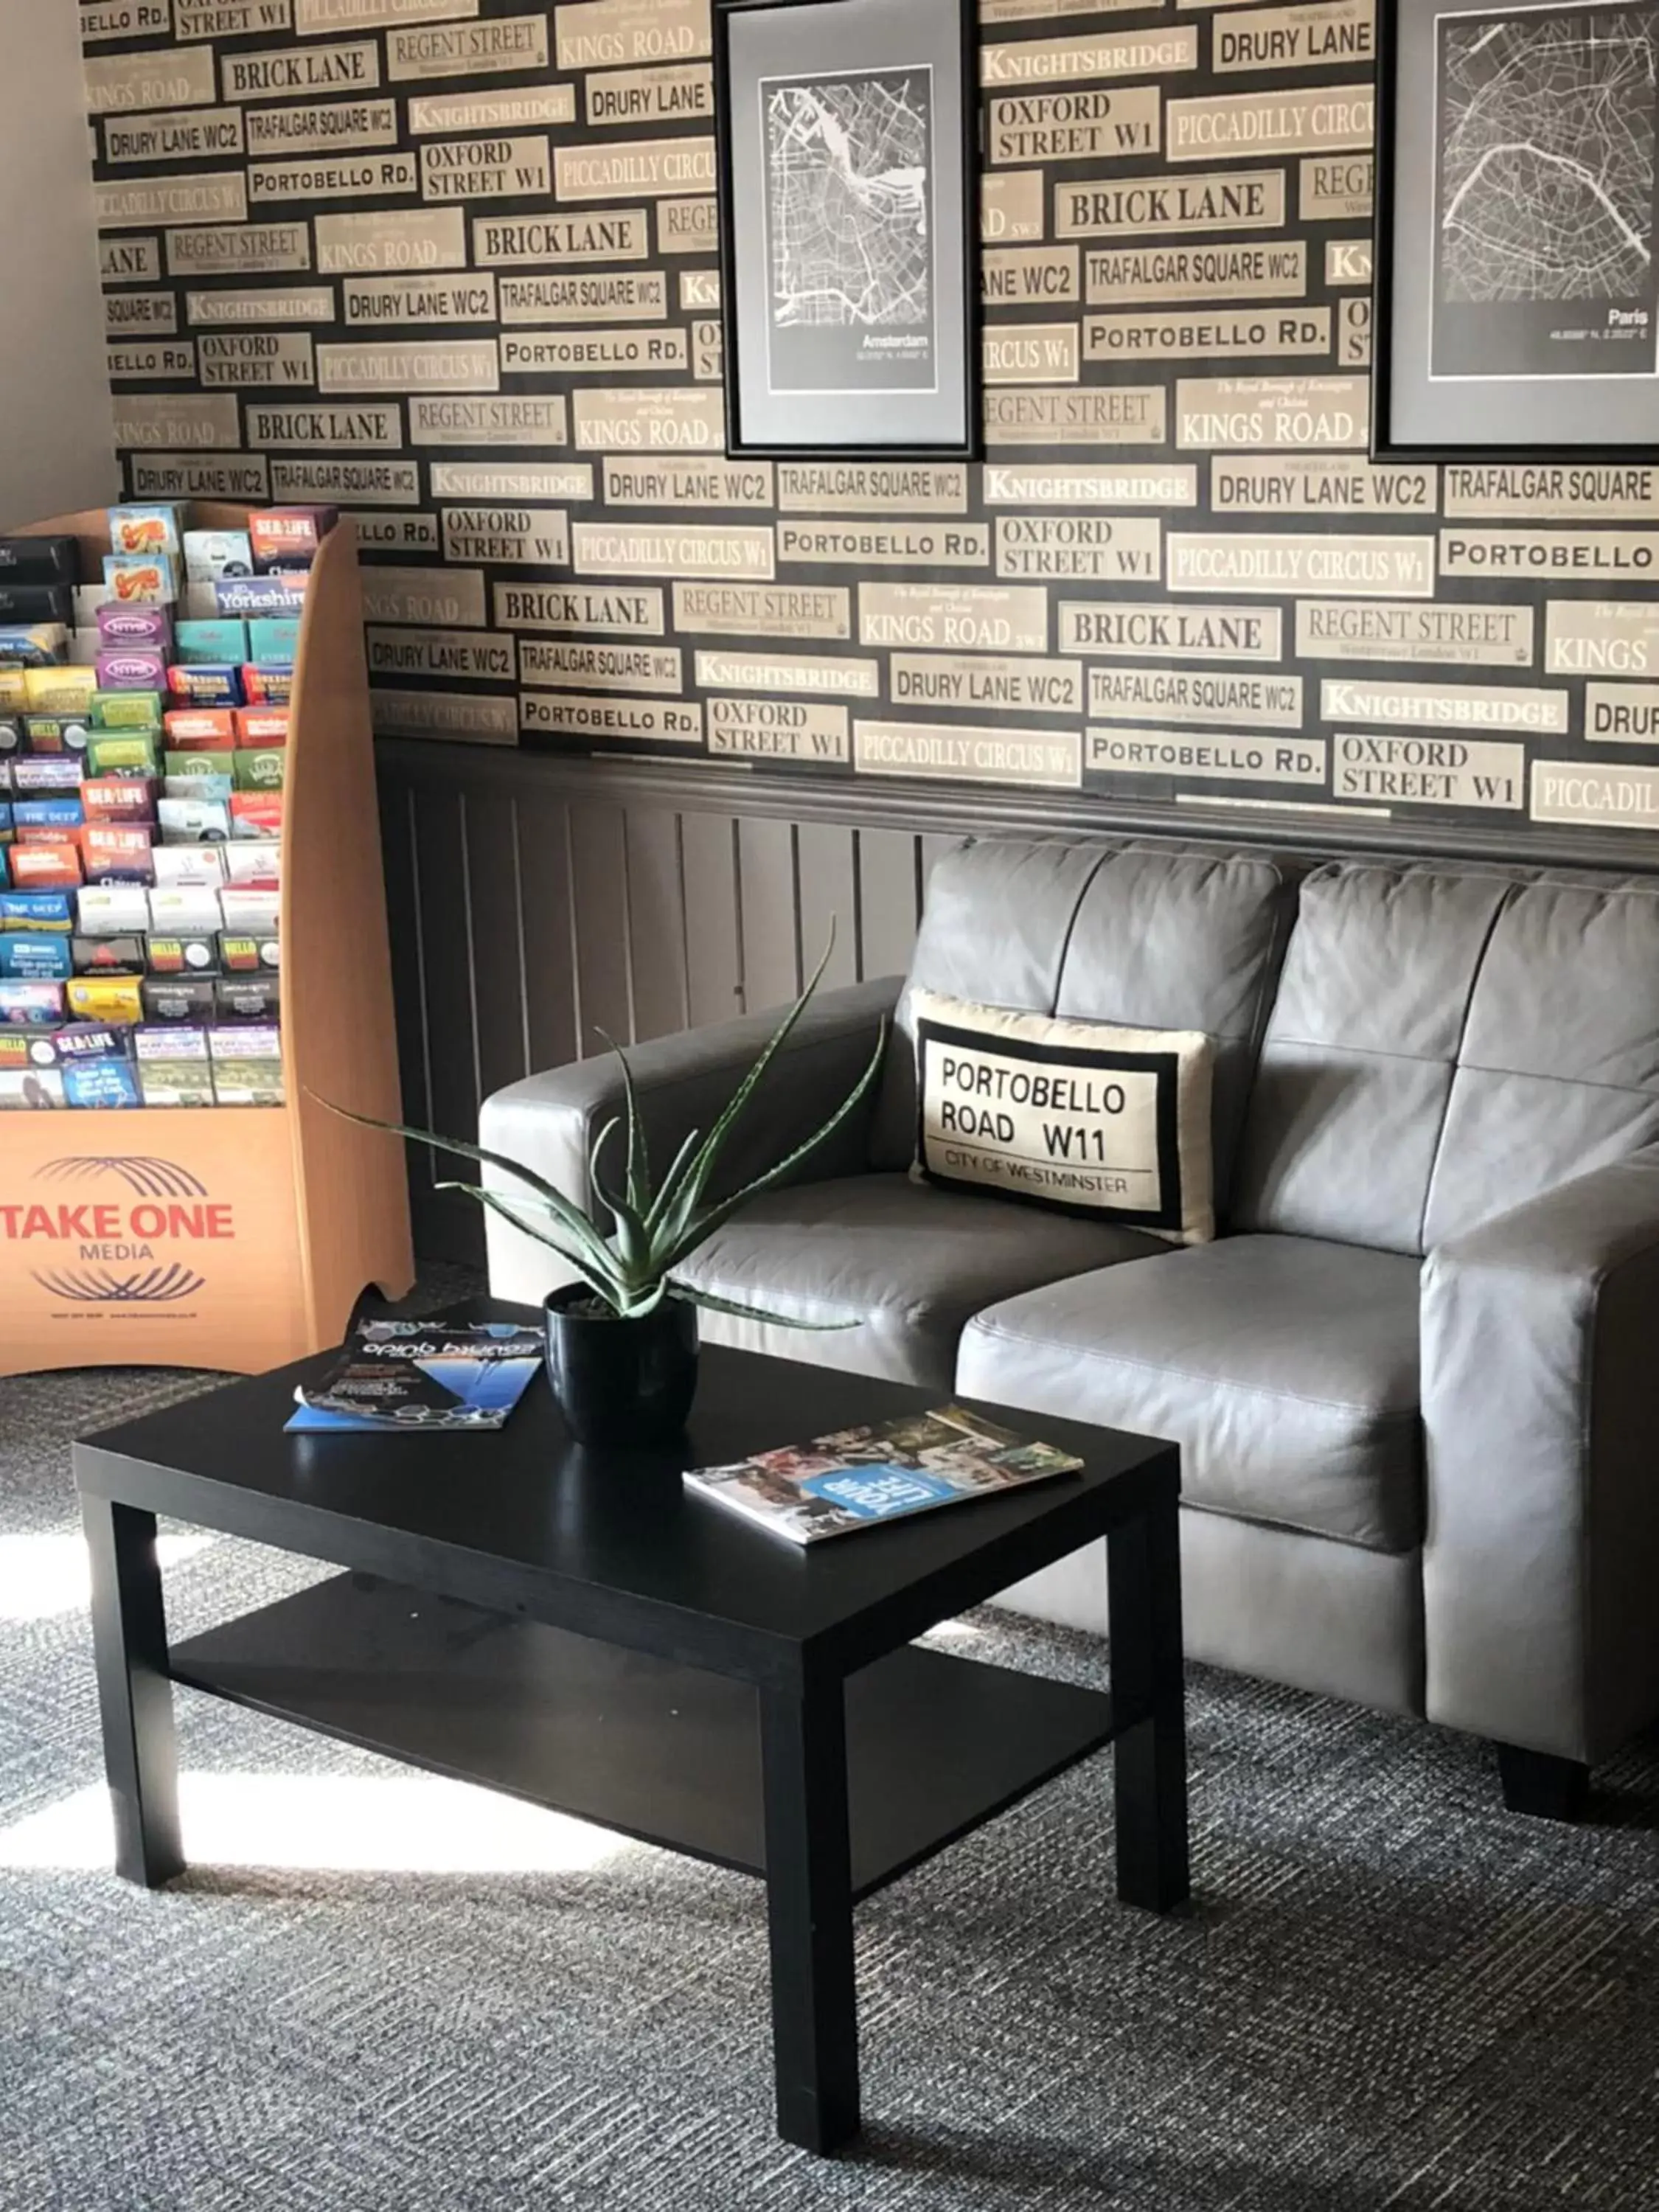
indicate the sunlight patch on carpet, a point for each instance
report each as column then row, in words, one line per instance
column 44, row 1574
column 338, row 1823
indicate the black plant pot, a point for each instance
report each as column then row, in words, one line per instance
column 617, row 1382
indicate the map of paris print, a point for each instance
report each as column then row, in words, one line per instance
column 1544, row 231
column 1515, row 305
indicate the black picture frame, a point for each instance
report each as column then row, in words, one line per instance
column 955, row 26
column 1401, row 25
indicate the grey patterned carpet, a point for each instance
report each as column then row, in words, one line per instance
column 379, row 1993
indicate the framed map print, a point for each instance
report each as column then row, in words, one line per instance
column 1518, row 299
column 848, row 135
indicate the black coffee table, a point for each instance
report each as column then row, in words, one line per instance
column 576, row 1629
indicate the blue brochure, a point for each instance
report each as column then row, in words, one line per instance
column 860, row 1478
column 421, row 1378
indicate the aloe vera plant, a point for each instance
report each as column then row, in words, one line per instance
column 655, row 1226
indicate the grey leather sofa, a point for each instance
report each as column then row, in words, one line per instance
column 1414, row 1379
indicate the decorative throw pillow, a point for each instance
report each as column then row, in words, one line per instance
column 1082, row 1118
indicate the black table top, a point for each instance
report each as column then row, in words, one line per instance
column 611, row 1543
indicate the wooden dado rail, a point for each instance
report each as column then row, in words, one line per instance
column 536, row 899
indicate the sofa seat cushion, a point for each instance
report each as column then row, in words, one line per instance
column 1286, row 1369
column 910, row 1264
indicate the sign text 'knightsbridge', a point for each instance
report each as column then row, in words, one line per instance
column 453, row 266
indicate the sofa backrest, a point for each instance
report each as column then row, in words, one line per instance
column 1446, row 1042
column 1356, row 1066
column 1151, row 935
column 1558, row 1068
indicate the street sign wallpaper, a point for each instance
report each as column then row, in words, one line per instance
column 452, row 265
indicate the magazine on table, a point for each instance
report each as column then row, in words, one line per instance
column 420, row 1378
column 857, row 1478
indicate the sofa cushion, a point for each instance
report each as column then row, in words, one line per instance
column 1077, row 1117
column 1285, row 1367
column 1163, row 937
column 1558, row 1069
column 913, row 1264
column 1356, row 1068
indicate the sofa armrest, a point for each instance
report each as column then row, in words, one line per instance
column 1540, row 1408
column 549, row 1121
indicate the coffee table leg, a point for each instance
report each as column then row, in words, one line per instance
column 135, row 1691
column 809, row 1912
column 1142, row 1574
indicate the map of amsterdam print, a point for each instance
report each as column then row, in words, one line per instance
column 849, row 232
column 1545, row 231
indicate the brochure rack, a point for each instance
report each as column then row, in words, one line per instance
column 234, row 1237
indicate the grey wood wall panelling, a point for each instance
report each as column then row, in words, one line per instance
column 656, row 920
column 525, row 920
column 409, row 995
column 549, row 967
column 770, row 913
column 826, row 891
column 499, row 999
column 494, row 944
column 949, row 812
column 451, row 958
column 889, row 891
column 713, row 920
column 599, row 913
column 447, row 952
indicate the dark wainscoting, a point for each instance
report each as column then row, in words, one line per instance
column 538, row 905
column 537, row 900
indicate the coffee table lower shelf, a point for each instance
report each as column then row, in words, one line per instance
column 935, row 1744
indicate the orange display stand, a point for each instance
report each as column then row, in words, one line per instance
column 229, row 1236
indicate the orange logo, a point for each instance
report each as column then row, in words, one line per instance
column 155, row 1201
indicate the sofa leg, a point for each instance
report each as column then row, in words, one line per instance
column 1538, row 1781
